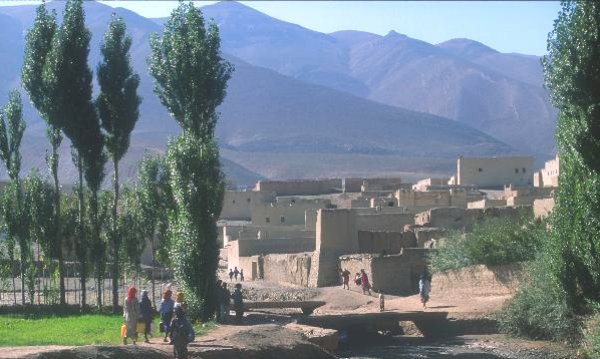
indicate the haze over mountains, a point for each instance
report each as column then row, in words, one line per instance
column 303, row 103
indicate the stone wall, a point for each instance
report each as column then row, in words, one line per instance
column 240, row 252
column 495, row 171
column 300, row 187
column 285, row 213
column 487, row 203
column 288, row 268
column 390, row 242
column 424, row 184
column 381, row 221
column 548, row 176
column 426, row 235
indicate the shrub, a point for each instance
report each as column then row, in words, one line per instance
column 540, row 310
column 495, row 241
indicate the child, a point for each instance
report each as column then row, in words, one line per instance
column 364, row 282
column 381, row 302
column 147, row 314
column 225, row 302
column 166, row 312
column 424, row 288
column 182, row 334
column 346, row 279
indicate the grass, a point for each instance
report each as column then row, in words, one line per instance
column 75, row 330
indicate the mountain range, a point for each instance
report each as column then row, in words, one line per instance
column 307, row 104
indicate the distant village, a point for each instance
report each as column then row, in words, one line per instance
column 303, row 232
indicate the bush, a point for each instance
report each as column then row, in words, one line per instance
column 540, row 310
column 495, row 241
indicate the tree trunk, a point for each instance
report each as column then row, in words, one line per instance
column 55, row 141
column 152, row 272
column 115, row 241
column 96, row 239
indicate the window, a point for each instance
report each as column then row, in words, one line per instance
column 248, row 200
column 390, row 204
column 523, row 169
column 282, row 219
column 233, row 201
column 516, row 170
column 268, row 220
column 479, row 169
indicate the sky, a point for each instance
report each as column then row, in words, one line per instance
column 507, row 26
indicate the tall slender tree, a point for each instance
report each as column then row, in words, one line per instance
column 16, row 216
column 190, row 81
column 572, row 73
column 69, row 77
column 38, row 43
column 118, row 105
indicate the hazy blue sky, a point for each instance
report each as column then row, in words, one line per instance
column 508, row 26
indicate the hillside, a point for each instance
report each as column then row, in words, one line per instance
column 265, row 114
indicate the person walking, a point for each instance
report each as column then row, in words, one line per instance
column 242, row 275
column 225, row 303
column 166, row 312
column 346, row 279
column 424, row 288
column 236, row 272
column 147, row 314
column 238, row 303
column 364, row 282
column 182, row 333
column 131, row 314
column 230, row 275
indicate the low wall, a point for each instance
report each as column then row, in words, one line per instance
column 249, row 248
column 464, row 219
column 425, row 235
column 393, row 274
column 390, row 242
column 477, row 280
column 543, row 207
column 288, row 268
column 393, row 222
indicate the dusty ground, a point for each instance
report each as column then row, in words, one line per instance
column 344, row 301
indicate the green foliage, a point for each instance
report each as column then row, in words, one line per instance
column 572, row 72
column 155, row 200
column 190, row 74
column 38, row 43
column 592, row 338
column 118, row 101
column 190, row 80
column 11, row 134
column 495, row 241
column 540, row 310
column 198, row 190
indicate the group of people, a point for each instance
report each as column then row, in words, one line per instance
column 235, row 273
column 173, row 320
column 224, row 297
column 361, row 279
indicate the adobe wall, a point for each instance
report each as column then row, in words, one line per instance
column 425, row 235
column 353, row 185
column 543, row 207
column 495, row 171
column 416, row 201
column 336, row 235
column 477, row 280
column 285, row 213
column 487, row 203
column 393, row 274
column 424, row 184
column 381, row 202
column 390, row 242
column 549, row 175
column 239, row 251
column 288, row 268
column 237, row 205
column 381, row 184
column 310, row 219
column 464, row 219
column 300, row 187
column 360, row 203
column 392, row 222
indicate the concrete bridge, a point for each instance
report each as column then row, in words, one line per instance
column 429, row 323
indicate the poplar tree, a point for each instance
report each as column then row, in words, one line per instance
column 118, row 105
column 572, row 72
column 69, row 77
column 12, row 127
column 38, row 43
column 190, row 81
